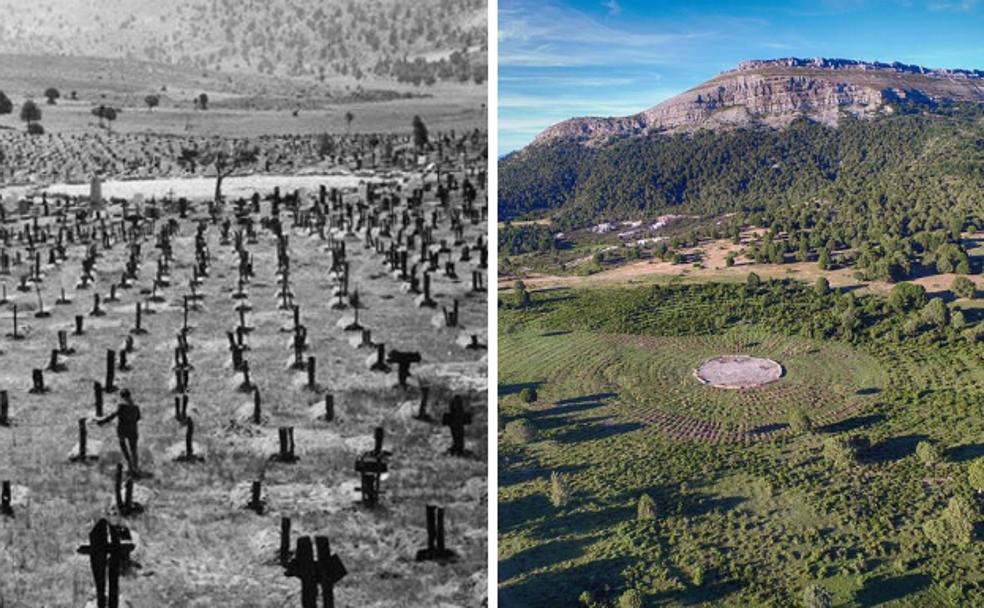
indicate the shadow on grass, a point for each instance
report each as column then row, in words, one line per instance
column 562, row 587
column 513, row 389
column 852, row 424
column 894, row 448
column 964, row 453
column 518, row 512
column 594, row 429
column 884, row 590
column 871, row 390
column 542, row 556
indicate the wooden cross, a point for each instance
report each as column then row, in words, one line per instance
column 107, row 554
column 322, row 573
column 457, row 418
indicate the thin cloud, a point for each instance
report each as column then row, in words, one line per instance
column 963, row 6
column 613, row 7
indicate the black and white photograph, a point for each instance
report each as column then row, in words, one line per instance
column 244, row 321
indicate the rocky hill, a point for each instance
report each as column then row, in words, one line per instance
column 777, row 92
column 417, row 43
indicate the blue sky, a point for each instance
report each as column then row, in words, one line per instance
column 559, row 59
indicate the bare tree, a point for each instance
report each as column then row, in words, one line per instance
column 224, row 159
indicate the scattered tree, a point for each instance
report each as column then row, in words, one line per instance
column 528, row 394
column 30, row 113
column 52, row 94
column 6, row 106
column 152, row 101
column 201, row 102
column 822, row 286
column 224, row 160
column 955, row 525
column 928, row 453
column 975, row 474
column 962, row 287
column 419, row 133
column 630, row 599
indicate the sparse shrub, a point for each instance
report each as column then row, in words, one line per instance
column 816, row 596
column 528, row 395
column 842, row 451
column 822, row 286
column 630, row 599
column 954, row 526
column 962, row 287
column 928, row 453
column 975, row 474
column 519, row 431
column 585, row 599
column 646, row 508
column 753, row 281
column 559, row 489
column 936, row 313
column 799, row 422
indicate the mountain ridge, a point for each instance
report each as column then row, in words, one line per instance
column 775, row 92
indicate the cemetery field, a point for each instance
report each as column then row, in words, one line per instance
column 620, row 474
column 197, row 544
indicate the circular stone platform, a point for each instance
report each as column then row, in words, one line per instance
column 738, row 371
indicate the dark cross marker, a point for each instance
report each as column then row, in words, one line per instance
column 322, row 574
column 5, row 507
column 37, row 382
column 137, row 321
column 109, row 386
column 97, row 310
column 257, row 407
column 98, row 390
column 181, row 408
column 456, row 419
column 246, row 386
column 286, row 451
column 123, row 366
column 41, row 313
column 256, row 503
column 451, row 316
column 285, row 553
column 15, row 335
column 79, row 321
column 380, row 363
column 83, row 455
column 403, row 360
column 107, row 555
column 54, row 365
column 371, row 466
column 112, row 297
column 424, row 300
column 436, row 550
column 123, row 492
column 422, row 414
column 4, row 409
column 329, row 407
column 312, row 384
column 189, row 453
column 63, row 348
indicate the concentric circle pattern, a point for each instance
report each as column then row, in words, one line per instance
column 650, row 380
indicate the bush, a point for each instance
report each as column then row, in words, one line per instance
column 559, row 490
column 954, row 526
column 975, row 474
column 528, row 395
column 928, row 453
column 799, row 422
column 962, row 287
column 844, row 451
column 630, row 599
column 906, row 296
column 816, row 596
column 519, row 431
column 646, row 508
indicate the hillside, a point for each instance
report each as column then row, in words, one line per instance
column 777, row 92
column 418, row 43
